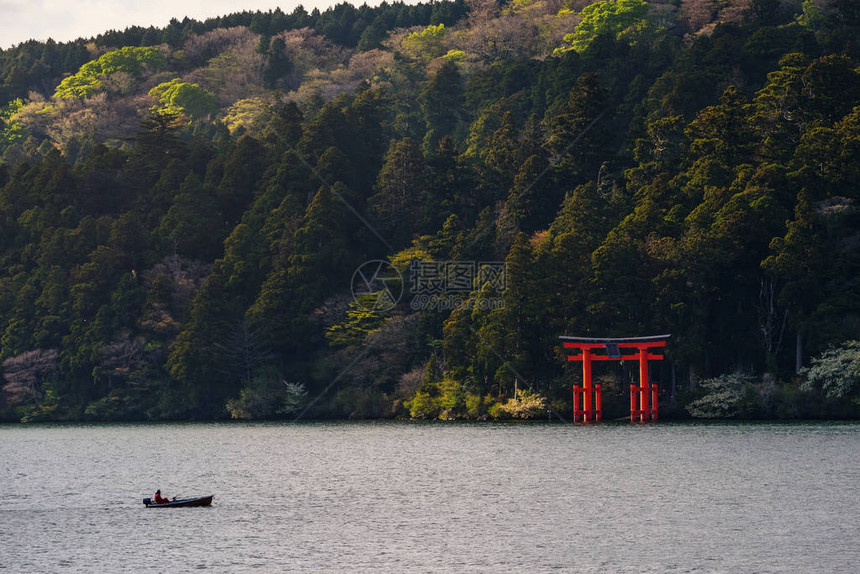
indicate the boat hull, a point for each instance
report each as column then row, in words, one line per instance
column 202, row 501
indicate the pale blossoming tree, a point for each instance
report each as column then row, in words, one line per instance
column 25, row 375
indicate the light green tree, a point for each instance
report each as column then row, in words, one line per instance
column 426, row 44
column 11, row 131
column 88, row 80
column 810, row 15
column 178, row 97
column 604, row 18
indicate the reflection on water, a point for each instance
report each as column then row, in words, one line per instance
column 432, row 497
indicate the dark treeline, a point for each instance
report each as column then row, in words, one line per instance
column 637, row 171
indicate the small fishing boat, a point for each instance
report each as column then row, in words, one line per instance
column 202, row 501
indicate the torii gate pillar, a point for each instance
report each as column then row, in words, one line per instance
column 587, row 399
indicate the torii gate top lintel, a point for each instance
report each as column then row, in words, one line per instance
column 650, row 341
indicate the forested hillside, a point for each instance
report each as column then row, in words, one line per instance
column 186, row 213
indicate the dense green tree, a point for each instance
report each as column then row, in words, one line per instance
column 328, row 128
column 399, row 191
column 202, row 382
column 278, row 64
column 574, row 136
column 796, row 264
column 441, row 101
column 243, row 169
column 284, row 130
column 372, row 36
column 188, row 226
column 152, row 205
column 157, row 143
column 532, row 201
column 722, row 132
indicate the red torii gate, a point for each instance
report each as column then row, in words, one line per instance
column 588, row 400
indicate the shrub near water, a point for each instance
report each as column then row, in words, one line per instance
column 829, row 388
column 724, row 397
column 526, row 405
column 743, row 396
column 445, row 400
column 836, row 372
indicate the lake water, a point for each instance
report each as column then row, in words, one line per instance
column 427, row 497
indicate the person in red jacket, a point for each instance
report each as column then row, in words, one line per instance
column 159, row 499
